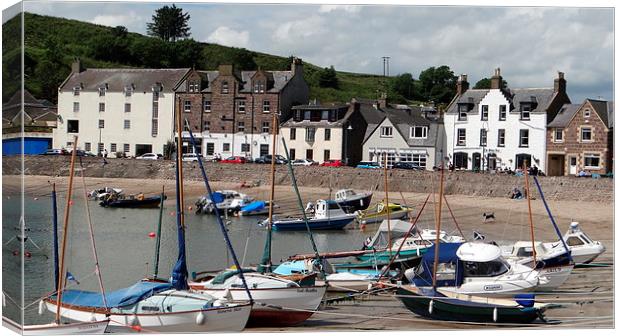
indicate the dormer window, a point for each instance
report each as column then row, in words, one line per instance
column 224, row 87
column 102, row 90
column 128, row 90
column 76, row 90
column 525, row 111
column 418, row 132
column 586, row 113
column 259, row 87
column 485, row 112
column 463, row 108
column 193, row 87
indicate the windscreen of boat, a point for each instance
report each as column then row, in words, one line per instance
column 333, row 206
column 585, row 238
column 491, row 268
column 574, row 241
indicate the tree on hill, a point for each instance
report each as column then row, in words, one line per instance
column 485, row 83
column 169, row 24
column 112, row 46
column 50, row 70
column 403, row 85
column 437, row 84
column 327, row 78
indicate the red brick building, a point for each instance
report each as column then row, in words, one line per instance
column 580, row 138
column 231, row 112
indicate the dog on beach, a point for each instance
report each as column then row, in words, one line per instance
column 488, row 217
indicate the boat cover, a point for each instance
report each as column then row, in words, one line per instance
column 118, row 298
column 256, row 205
column 447, row 255
column 221, row 277
column 398, row 229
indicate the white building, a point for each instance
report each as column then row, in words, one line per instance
column 500, row 128
column 126, row 111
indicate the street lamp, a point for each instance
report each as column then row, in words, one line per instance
column 346, row 148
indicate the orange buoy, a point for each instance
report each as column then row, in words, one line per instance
column 152, row 234
column 136, row 328
column 28, row 254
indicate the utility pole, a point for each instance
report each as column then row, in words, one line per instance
column 386, row 65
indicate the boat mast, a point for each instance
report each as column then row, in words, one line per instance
column 55, row 228
column 438, row 227
column 529, row 209
column 158, row 233
column 266, row 262
column 555, row 226
column 65, row 226
column 179, row 273
column 387, row 205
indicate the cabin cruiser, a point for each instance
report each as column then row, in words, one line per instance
column 583, row 249
column 474, row 268
column 231, row 202
column 350, row 201
column 394, row 210
column 431, row 235
column 328, row 215
column 103, row 193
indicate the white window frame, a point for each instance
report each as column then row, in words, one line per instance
column 592, row 155
column 101, row 123
column 502, row 114
column 206, row 125
column 206, row 105
column 521, row 137
column 240, row 126
column 414, row 128
column 484, row 135
column 586, row 113
column 127, row 124
column 241, row 106
column 484, row 112
column 581, row 129
column 187, row 105
column 101, row 107
column 266, row 106
column 459, row 141
column 387, row 131
column 76, row 107
column 127, row 107
column 265, row 125
column 555, row 135
column 501, row 137
column 126, row 148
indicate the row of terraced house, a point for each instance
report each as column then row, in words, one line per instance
column 129, row 112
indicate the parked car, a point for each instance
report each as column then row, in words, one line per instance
column 234, row 159
column 332, row 163
column 267, row 159
column 368, row 165
column 54, row 151
column 148, row 156
column 190, row 157
column 304, row 162
column 407, row 165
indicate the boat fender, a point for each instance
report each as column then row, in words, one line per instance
column 495, row 314
column 133, row 321
column 526, row 300
column 227, row 295
column 93, row 317
column 200, row 318
column 217, row 303
column 430, row 307
column 41, row 307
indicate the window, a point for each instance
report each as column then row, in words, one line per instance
column 307, row 115
column 194, row 87
column 463, row 112
column 206, row 125
column 524, row 138
column 265, row 127
column 240, row 126
column 461, row 137
column 291, row 153
column 525, row 111
column 293, row 133
column 102, row 92
column 127, row 107
column 155, row 95
column 100, row 147
column 226, row 147
column 101, row 107
column 187, row 105
column 309, row 154
column 224, row 87
column 241, row 106
column 127, row 124
column 101, row 123
column 326, row 155
column 87, row 146
column 185, row 127
column 73, row 126
column 502, row 112
column 592, row 161
column 128, row 91
column 113, row 148
column 386, row 131
column 324, row 115
column 328, row 134
column 501, row 137
column 586, row 134
column 76, row 91
column 558, row 135
column 266, row 106
column 586, row 113
column 460, row 160
column 126, row 148
column 210, row 148
column 264, row 149
column 310, row 132
column 491, row 268
column 154, row 127
column 76, row 107
column 483, row 137
column 485, row 112
column 207, row 106
column 245, row 147
column 418, row 132
column 155, row 109
column 417, row 159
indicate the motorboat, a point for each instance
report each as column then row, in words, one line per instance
column 328, row 215
column 231, row 202
column 583, row 249
column 475, row 268
column 131, row 201
column 431, row 235
column 351, row 201
column 396, row 211
column 103, row 193
column 277, row 301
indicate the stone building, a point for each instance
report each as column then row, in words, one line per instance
column 580, row 138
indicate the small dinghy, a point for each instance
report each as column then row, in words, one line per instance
column 350, row 201
column 327, row 216
column 76, row 328
column 256, row 208
column 102, row 193
column 133, row 201
column 395, row 211
column 229, row 201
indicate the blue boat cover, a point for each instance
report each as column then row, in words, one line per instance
column 447, row 255
column 290, row 267
column 118, row 298
column 256, row 205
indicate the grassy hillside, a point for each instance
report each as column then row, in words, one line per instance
column 52, row 43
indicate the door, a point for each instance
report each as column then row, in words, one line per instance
column 309, row 154
column 264, row 149
column 460, row 160
column 142, row 149
column 492, row 161
column 572, row 165
column 476, row 160
column 520, row 160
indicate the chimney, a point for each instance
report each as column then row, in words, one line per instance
column 496, row 81
column 226, row 69
column 382, row 101
column 559, row 84
column 462, row 85
column 297, row 67
column 76, row 66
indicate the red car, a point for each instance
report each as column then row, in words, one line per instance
column 234, row 159
column 332, row 163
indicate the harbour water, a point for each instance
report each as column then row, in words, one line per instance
column 125, row 250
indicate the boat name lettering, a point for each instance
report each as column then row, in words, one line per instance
column 306, row 290
column 554, row 270
column 150, row 308
column 492, row 287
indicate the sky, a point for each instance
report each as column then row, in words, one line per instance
column 529, row 44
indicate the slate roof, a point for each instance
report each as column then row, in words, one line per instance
column 602, row 109
column 117, row 79
column 542, row 96
column 476, row 96
column 610, row 114
column 323, row 123
column 280, row 79
column 565, row 115
column 403, row 120
column 35, row 109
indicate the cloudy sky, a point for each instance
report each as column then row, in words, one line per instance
column 529, row 44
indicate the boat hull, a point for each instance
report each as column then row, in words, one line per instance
column 79, row 328
column 378, row 218
column 440, row 307
column 384, row 257
column 358, row 203
column 215, row 319
column 314, row 224
column 150, row 202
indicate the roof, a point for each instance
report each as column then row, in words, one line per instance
column 117, row 79
column 602, row 108
column 119, row 298
column 542, row 96
column 470, row 96
column 280, row 79
column 35, row 109
column 565, row 115
column 610, row 114
column 322, row 123
column 478, row 252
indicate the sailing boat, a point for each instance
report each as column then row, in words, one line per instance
column 441, row 304
column 151, row 305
